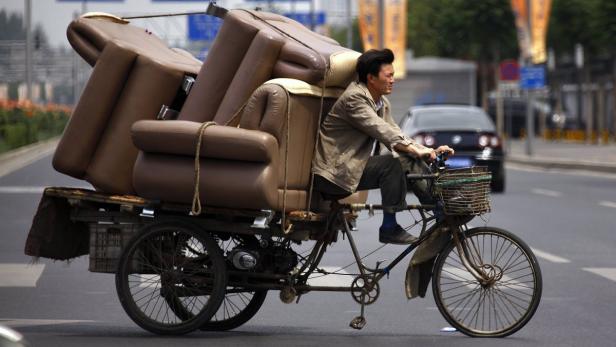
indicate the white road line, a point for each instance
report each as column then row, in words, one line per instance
column 21, row 190
column 549, row 256
column 342, row 280
column 608, row 204
column 607, row 272
column 16, row 322
column 20, row 275
column 547, row 192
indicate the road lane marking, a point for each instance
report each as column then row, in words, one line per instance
column 552, row 171
column 549, row 256
column 20, row 275
column 608, row 204
column 340, row 279
column 606, row 272
column 547, row 192
column 16, row 322
column 21, row 190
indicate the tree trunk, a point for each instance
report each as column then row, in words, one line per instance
column 614, row 96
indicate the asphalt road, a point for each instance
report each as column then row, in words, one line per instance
column 569, row 219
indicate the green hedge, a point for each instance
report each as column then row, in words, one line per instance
column 25, row 123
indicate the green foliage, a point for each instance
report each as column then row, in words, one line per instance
column 12, row 28
column 20, row 126
column 571, row 22
column 479, row 30
column 605, row 24
column 340, row 34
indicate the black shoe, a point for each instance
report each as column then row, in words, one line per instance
column 396, row 235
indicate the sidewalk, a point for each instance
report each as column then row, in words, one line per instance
column 564, row 155
column 16, row 159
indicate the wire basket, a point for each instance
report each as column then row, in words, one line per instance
column 465, row 191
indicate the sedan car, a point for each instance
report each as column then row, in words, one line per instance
column 466, row 129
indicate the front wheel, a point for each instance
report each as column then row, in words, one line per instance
column 499, row 307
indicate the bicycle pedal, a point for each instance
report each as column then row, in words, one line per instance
column 358, row 323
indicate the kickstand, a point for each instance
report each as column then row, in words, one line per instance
column 360, row 321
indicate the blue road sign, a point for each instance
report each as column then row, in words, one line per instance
column 304, row 18
column 532, row 77
column 202, row 27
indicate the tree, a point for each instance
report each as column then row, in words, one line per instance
column 571, row 22
column 483, row 31
column 11, row 26
column 605, row 27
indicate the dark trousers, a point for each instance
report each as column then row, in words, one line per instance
column 389, row 175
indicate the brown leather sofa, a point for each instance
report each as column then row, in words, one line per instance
column 245, row 159
column 134, row 74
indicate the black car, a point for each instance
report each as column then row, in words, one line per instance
column 466, row 129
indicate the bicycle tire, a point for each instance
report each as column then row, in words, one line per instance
column 172, row 261
column 231, row 315
column 518, row 284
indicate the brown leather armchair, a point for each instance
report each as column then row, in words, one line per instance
column 279, row 109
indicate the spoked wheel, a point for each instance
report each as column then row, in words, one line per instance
column 239, row 304
column 503, row 303
column 237, row 308
column 171, row 278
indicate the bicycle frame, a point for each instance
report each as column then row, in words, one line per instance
column 376, row 274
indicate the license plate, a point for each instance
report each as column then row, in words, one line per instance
column 456, row 162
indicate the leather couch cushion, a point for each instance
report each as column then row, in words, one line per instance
column 218, row 142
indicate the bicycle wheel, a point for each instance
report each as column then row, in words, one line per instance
column 237, row 308
column 497, row 308
column 168, row 266
column 239, row 304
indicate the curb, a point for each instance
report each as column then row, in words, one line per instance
column 550, row 163
column 16, row 159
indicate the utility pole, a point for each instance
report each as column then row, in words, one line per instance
column 28, row 24
column 381, row 24
column 349, row 25
column 312, row 24
column 530, row 94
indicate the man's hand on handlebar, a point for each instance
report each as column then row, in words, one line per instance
column 426, row 153
column 446, row 150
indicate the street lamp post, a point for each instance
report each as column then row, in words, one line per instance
column 28, row 24
column 530, row 96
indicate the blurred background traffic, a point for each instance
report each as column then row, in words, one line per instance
column 541, row 66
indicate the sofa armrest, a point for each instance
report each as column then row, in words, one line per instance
column 218, row 142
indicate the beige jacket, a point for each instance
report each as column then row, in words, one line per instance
column 347, row 136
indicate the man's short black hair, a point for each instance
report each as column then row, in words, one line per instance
column 370, row 63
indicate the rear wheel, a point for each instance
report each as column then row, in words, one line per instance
column 497, row 308
column 237, row 308
column 168, row 266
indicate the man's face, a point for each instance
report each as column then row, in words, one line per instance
column 384, row 82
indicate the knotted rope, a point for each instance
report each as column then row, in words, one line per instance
column 196, row 203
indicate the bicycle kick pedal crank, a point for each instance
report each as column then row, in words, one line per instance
column 358, row 322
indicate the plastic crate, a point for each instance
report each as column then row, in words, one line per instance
column 106, row 244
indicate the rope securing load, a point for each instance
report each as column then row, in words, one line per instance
column 196, row 203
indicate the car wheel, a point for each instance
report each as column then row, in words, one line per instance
column 498, row 185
